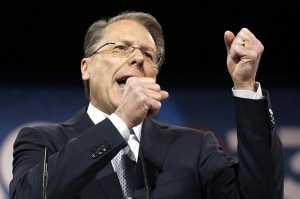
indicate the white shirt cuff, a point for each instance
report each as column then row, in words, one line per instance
column 120, row 125
column 249, row 94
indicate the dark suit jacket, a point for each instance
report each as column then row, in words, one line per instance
column 180, row 162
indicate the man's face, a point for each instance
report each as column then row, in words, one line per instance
column 107, row 74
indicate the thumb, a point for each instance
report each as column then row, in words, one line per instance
column 228, row 39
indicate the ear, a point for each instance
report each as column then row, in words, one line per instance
column 85, row 68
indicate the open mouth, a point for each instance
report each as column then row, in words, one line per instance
column 122, row 81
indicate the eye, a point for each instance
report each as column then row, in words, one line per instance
column 148, row 55
column 120, row 48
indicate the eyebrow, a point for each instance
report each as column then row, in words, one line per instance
column 129, row 43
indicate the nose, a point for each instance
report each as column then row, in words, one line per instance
column 136, row 57
column 137, row 49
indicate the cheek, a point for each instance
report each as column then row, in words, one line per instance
column 100, row 70
column 97, row 78
column 151, row 73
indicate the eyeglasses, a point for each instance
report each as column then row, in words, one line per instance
column 121, row 50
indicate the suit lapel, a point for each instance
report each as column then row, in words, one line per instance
column 77, row 124
column 154, row 145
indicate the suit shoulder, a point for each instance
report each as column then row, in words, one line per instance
column 56, row 130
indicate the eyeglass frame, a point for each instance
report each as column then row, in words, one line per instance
column 160, row 57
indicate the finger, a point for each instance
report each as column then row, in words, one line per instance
column 164, row 94
column 155, row 102
column 228, row 39
column 247, row 36
column 154, row 108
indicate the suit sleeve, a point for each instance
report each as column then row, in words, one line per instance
column 72, row 163
column 260, row 153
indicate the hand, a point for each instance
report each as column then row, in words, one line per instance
column 141, row 98
column 243, row 55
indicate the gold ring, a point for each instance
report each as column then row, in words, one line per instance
column 243, row 43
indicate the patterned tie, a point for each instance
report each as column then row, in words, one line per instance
column 125, row 168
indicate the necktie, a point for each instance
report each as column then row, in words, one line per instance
column 125, row 168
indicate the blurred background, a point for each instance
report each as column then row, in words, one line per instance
column 41, row 48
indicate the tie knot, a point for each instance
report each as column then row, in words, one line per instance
column 131, row 132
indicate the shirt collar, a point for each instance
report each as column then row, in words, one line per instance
column 97, row 116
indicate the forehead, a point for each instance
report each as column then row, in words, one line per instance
column 130, row 31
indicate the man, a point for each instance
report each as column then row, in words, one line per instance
column 122, row 57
